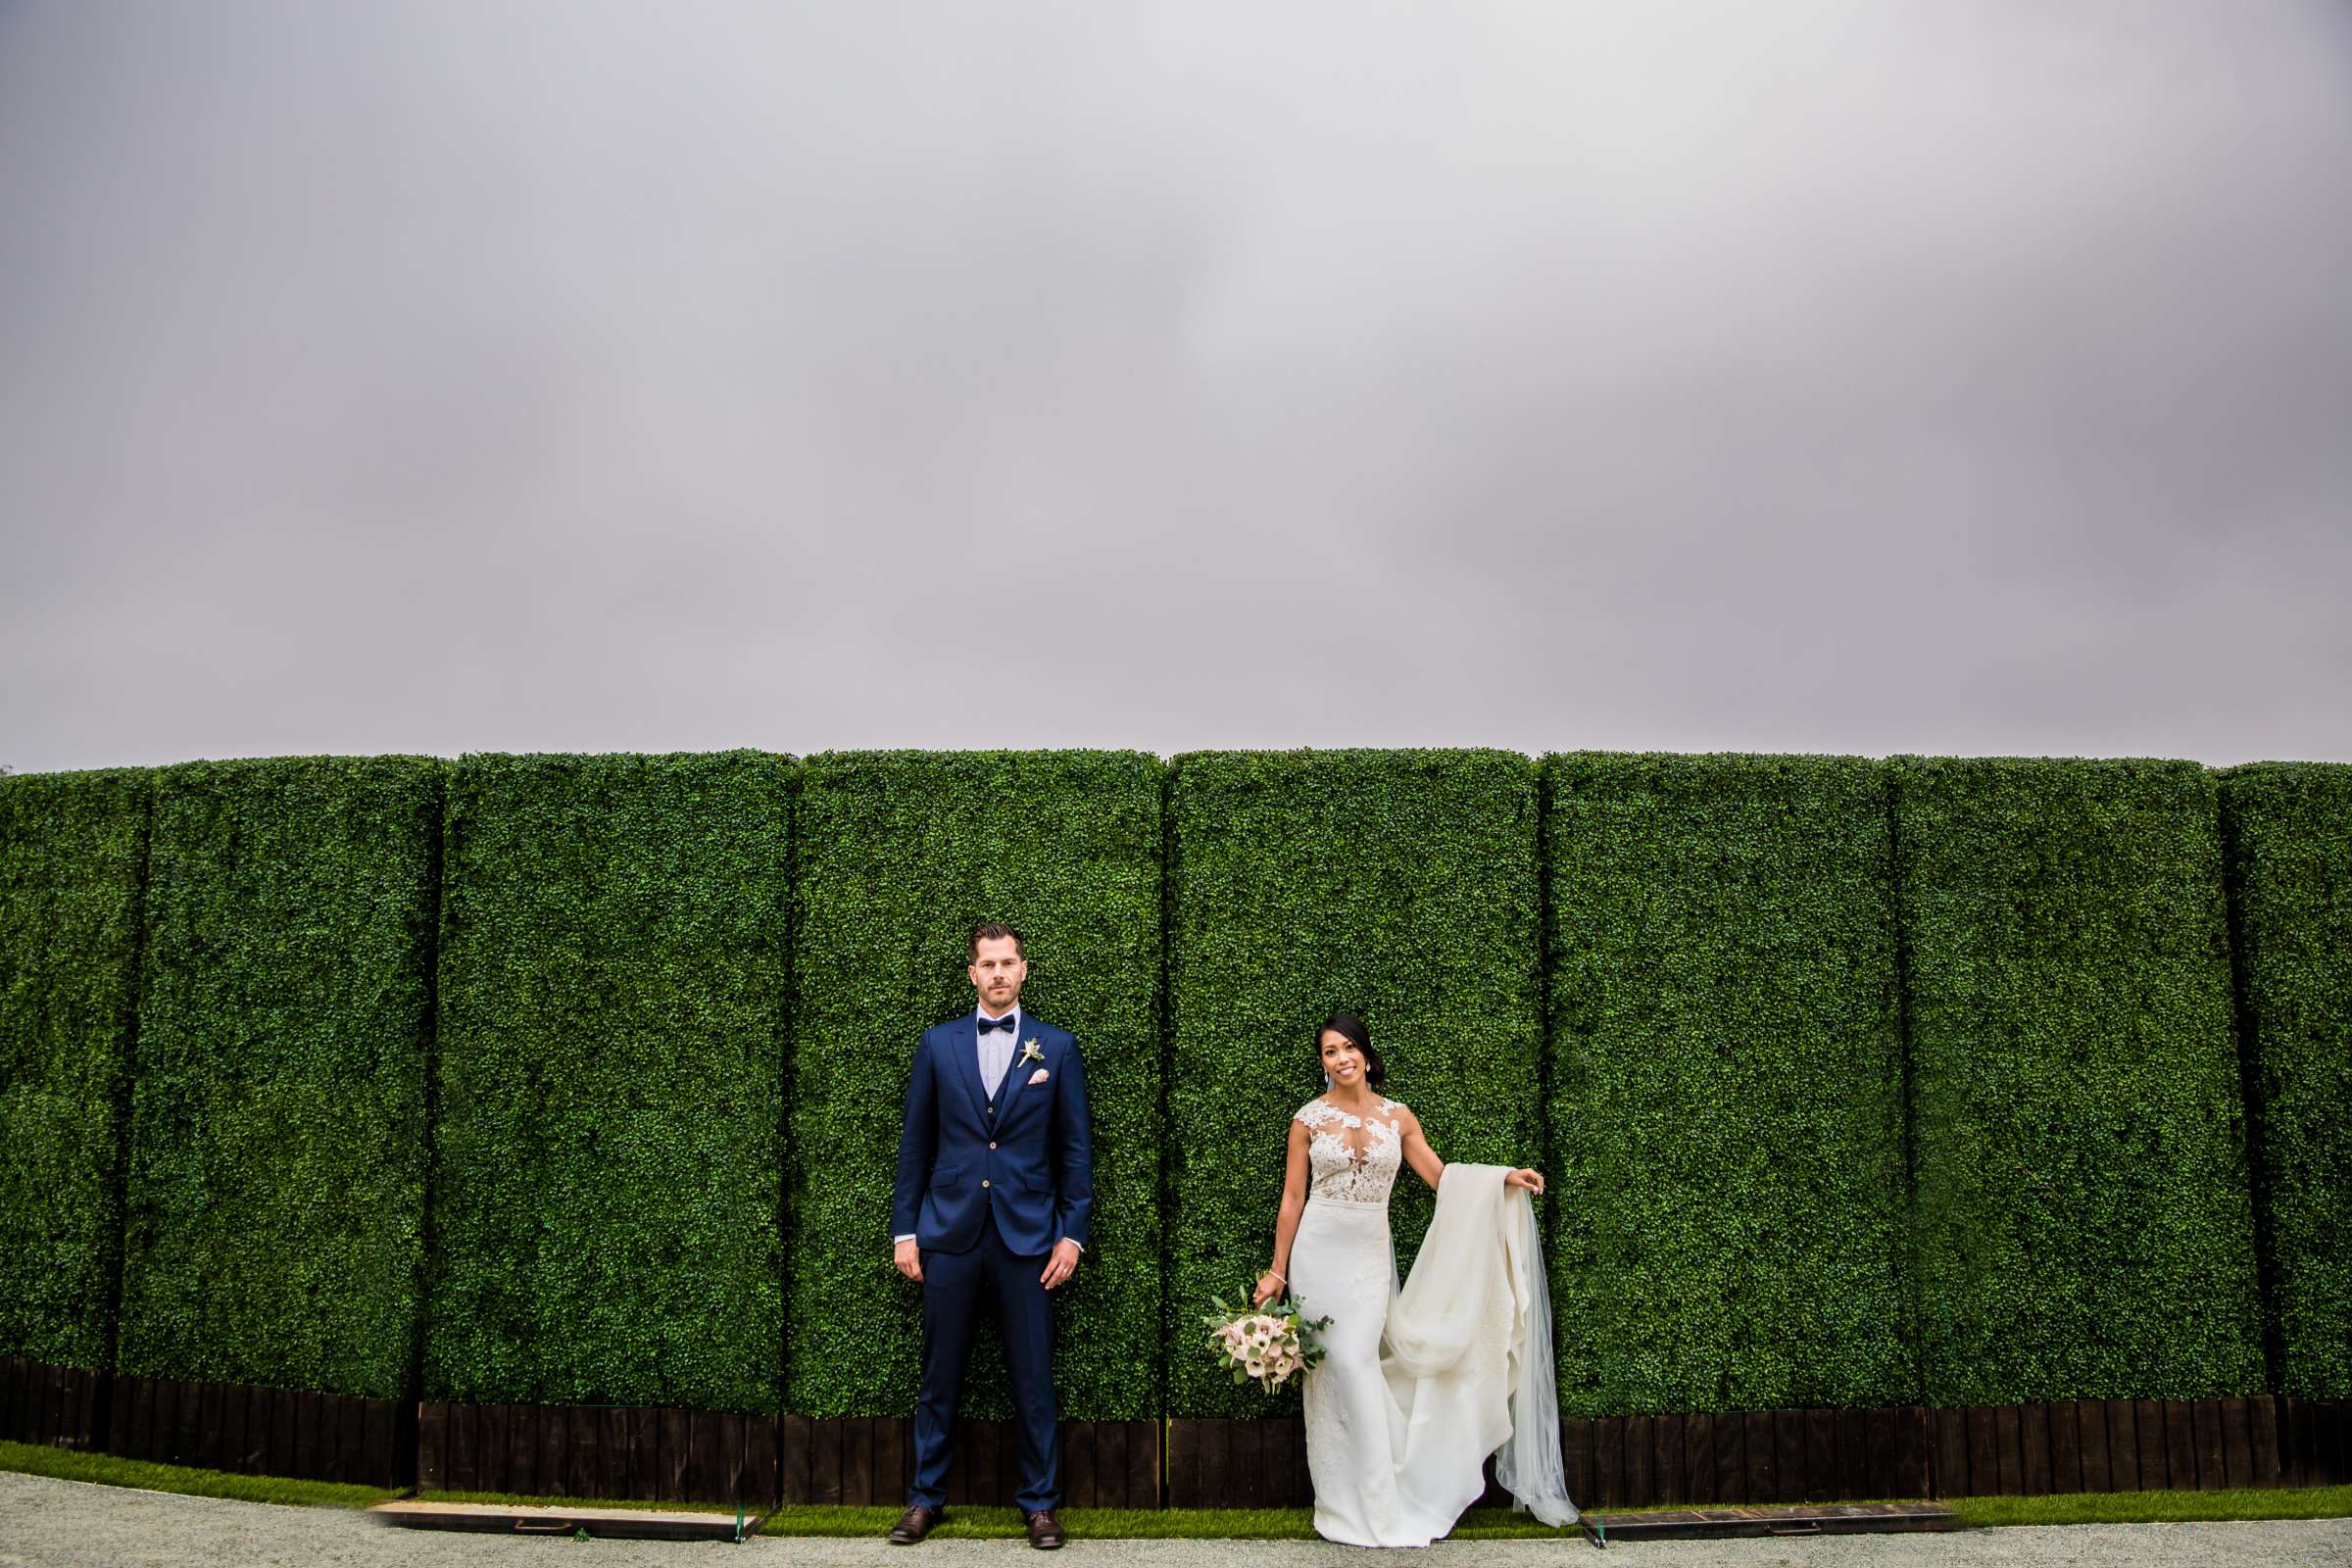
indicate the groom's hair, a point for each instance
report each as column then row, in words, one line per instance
column 993, row 932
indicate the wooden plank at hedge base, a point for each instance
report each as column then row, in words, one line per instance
column 2288, row 826
column 275, row 1190
column 1726, row 1090
column 2084, row 1227
column 900, row 856
column 1401, row 886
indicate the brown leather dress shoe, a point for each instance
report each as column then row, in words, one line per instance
column 914, row 1524
column 1044, row 1531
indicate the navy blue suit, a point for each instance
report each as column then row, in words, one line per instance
column 986, row 1187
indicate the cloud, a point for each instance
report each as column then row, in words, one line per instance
column 1942, row 377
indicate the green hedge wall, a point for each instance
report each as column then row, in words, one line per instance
column 2084, row 1226
column 623, row 937
column 72, row 851
column 1398, row 884
column 900, row 855
column 1726, row 1111
column 275, row 1188
column 607, row 1153
column 2290, row 828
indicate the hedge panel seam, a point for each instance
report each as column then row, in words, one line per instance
column 2290, row 840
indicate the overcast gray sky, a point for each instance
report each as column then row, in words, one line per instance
column 1963, row 378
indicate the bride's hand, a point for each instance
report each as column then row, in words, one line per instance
column 1269, row 1286
column 1532, row 1180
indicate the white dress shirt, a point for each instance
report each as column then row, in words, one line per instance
column 997, row 1047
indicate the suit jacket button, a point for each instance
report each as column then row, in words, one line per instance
column 984, row 1181
column 992, row 1145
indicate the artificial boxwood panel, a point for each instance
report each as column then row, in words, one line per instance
column 900, row 855
column 1401, row 886
column 2084, row 1225
column 1726, row 1108
column 2289, row 831
column 72, row 848
column 608, row 1161
column 276, row 1179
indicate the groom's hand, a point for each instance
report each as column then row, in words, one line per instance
column 1061, row 1265
column 908, row 1256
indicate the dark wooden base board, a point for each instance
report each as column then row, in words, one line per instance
column 870, row 1460
column 57, row 1406
column 212, row 1425
column 648, row 1452
column 1740, row 1459
column 1788, row 1456
column 258, row 1432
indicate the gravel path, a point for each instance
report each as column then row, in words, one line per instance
column 49, row 1522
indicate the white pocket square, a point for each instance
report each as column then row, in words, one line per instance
column 1040, row 1076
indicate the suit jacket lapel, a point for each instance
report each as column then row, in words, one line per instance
column 1016, row 1073
column 966, row 1046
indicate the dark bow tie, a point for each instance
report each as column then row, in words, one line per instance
column 1005, row 1024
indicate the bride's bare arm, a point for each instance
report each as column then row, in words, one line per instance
column 1429, row 1167
column 1274, row 1281
column 1417, row 1152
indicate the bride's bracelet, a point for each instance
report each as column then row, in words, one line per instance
column 1278, row 1274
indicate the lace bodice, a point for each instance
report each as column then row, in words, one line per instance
column 1351, row 1160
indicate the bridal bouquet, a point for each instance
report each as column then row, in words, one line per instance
column 1264, row 1345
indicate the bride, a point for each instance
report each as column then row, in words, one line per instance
column 1417, row 1386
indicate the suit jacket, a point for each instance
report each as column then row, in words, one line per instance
column 1023, row 1161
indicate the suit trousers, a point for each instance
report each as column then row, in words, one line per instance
column 954, row 1284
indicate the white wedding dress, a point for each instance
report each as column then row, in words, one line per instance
column 1418, row 1386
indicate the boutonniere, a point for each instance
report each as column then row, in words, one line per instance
column 1029, row 1050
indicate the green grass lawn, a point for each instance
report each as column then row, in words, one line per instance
column 104, row 1469
column 2146, row 1507
column 1247, row 1524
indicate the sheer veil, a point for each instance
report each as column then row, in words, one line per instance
column 1530, row 1466
column 1467, row 1347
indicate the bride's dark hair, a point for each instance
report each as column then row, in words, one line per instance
column 1349, row 1024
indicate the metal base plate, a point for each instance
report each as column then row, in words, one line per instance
column 1798, row 1519
column 612, row 1524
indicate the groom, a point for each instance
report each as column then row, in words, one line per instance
column 994, row 1190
